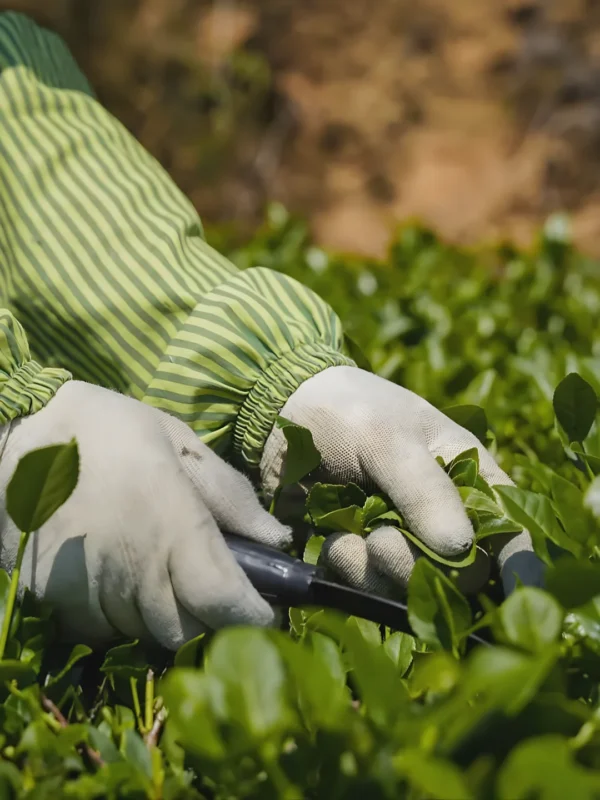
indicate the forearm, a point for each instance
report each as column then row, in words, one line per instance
column 105, row 264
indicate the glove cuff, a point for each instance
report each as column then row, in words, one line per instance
column 271, row 392
column 25, row 386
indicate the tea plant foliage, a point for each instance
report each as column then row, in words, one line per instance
column 506, row 343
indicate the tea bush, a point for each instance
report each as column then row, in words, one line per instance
column 508, row 344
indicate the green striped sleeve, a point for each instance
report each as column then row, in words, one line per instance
column 242, row 352
column 104, row 262
column 25, row 387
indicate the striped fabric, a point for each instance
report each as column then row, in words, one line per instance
column 104, row 263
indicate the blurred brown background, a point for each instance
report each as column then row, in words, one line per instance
column 478, row 117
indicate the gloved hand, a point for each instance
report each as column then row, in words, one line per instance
column 136, row 549
column 375, row 433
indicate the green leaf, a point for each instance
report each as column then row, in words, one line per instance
column 535, row 513
column 323, row 498
column 575, row 405
column 194, row 699
column 531, row 618
column 302, row 456
column 399, row 647
column 464, row 473
column 42, row 481
column 190, row 653
column 19, row 671
column 344, row 519
column 472, row 418
column 393, row 518
column 436, row 673
column 312, row 551
column 126, row 661
column 592, row 497
column 258, row 701
column 569, row 507
column 136, row 753
column 374, row 506
column 385, row 698
column 545, row 768
column 77, row 653
column 479, row 501
column 432, row 777
column 319, row 680
column 437, row 611
column 572, row 582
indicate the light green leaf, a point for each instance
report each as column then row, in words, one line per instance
column 399, row 647
column 258, row 701
column 432, row 777
column 437, row 611
column 569, row 507
column 42, row 481
column 464, row 473
column 535, row 513
column 312, row 551
column 545, row 768
column 531, row 618
column 190, row 653
column 592, row 497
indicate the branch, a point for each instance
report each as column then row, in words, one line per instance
column 154, row 732
column 53, row 709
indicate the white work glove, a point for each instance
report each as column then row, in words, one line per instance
column 136, row 550
column 377, row 434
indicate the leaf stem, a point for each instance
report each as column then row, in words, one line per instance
column 12, row 593
column 149, row 701
column 136, row 704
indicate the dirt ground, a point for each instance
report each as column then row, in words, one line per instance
column 478, row 117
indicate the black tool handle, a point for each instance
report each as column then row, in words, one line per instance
column 284, row 580
column 272, row 573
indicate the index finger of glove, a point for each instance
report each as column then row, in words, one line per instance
column 227, row 493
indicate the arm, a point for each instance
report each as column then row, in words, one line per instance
column 136, row 550
column 104, row 263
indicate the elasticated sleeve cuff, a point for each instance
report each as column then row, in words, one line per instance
column 244, row 349
column 25, row 386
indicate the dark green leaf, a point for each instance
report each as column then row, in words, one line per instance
column 16, row 670
column 470, row 417
column 126, row 661
column 572, row 582
column 43, row 480
column 77, row 653
column 324, row 498
column 575, row 405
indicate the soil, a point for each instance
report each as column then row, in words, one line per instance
column 480, row 118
